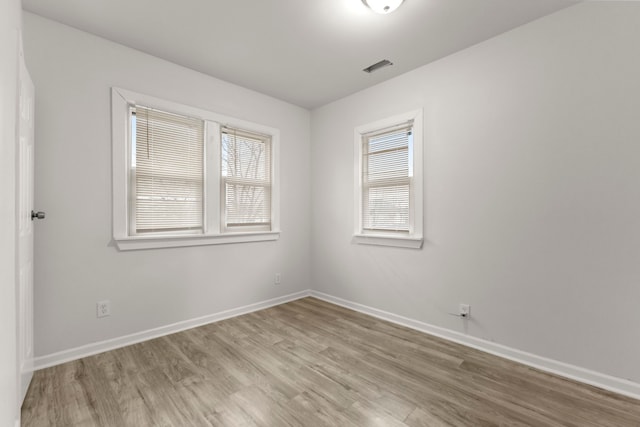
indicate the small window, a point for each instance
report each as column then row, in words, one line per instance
column 183, row 176
column 389, row 182
column 167, row 179
column 246, row 176
column 386, row 179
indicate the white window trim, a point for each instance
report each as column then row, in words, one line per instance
column 414, row 239
column 121, row 99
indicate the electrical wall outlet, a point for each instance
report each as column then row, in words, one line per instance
column 278, row 279
column 464, row 310
column 103, row 308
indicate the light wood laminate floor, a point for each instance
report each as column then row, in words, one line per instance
column 311, row 363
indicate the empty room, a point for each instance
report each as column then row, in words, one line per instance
column 320, row 213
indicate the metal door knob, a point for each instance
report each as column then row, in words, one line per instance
column 37, row 215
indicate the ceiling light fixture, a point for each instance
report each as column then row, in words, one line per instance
column 382, row 6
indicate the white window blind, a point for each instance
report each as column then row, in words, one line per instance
column 387, row 179
column 246, row 179
column 167, row 163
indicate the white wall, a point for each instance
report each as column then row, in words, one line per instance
column 10, row 24
column 532, row 191
column 76, row 262
column 532, row 202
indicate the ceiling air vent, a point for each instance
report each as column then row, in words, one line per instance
column 377, row 66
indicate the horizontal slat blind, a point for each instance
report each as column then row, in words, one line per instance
column 386, row 179
column 246, row 179
column 168, row 171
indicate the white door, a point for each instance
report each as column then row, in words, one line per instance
column 24, row 188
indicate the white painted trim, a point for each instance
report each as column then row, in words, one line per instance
column 64, row 356
column 415, row 236
column 597, row 379
column 121, row 99
column 391, row 240
column 153, row 242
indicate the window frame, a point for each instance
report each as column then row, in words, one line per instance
column 267, row 140
column 133, row 182
column 121, row 100
column 413, row 238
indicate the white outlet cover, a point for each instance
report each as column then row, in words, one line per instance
column 103, row 308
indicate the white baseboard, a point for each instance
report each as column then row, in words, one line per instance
column 597, row 379
column 111, row 344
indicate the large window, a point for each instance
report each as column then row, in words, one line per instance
column 184, row 176
column 388, row 195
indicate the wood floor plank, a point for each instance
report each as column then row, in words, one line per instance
column 310, row 363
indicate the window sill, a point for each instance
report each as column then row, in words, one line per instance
column 131, row 243
column 388, row 240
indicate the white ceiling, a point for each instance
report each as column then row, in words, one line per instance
column 307, row 52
